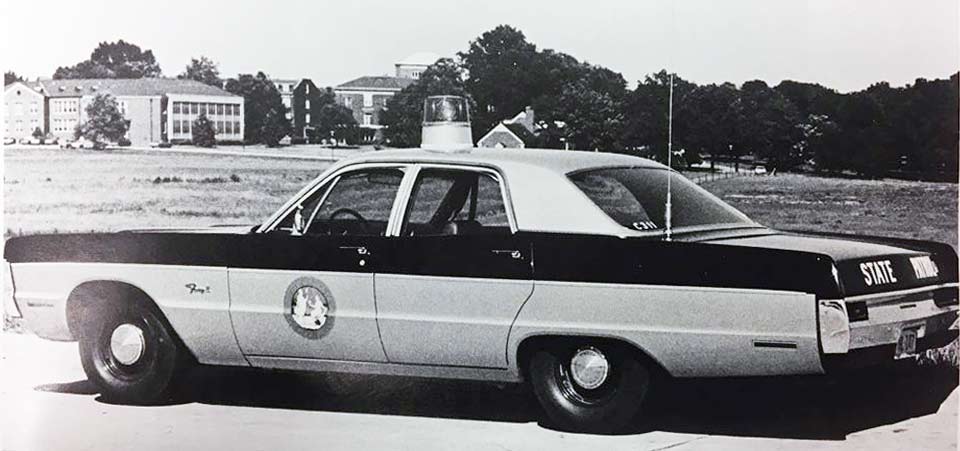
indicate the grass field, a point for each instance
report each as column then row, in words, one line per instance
column 54, row 190
column 873, row 207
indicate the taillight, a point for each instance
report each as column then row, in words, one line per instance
column 944, row 297
column 834, row 327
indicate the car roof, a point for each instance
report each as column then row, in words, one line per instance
column 562, row 161
column 543, row 197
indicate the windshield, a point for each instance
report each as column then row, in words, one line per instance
column 636, row 199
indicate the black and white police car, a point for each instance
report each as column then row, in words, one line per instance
column 555, row 267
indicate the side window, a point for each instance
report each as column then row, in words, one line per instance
column 359, row 203
column 455, row 202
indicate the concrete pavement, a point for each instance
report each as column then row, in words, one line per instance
column 47, row 404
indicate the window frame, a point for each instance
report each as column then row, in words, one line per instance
column 305, row 194
column 411, row 171
column 504, row 193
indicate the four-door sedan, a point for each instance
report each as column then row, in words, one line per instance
column 553, row 267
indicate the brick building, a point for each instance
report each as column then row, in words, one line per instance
column 26, row 110
column 367, row 95
column 159, row 109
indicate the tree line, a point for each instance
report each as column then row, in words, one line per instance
column 794, row 125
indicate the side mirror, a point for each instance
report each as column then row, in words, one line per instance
column 298, row 224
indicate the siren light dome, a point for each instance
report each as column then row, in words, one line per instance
column 446, row 124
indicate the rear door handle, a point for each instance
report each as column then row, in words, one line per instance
column 361, row 250
column 513, row 253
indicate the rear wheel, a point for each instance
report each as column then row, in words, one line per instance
column 589, row 386
column 128, row 351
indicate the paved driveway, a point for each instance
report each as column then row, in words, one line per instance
column 48, row 405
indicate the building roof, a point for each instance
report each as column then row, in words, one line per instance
column 376, row 83
column 21, row 85
column 128, row 87
column 520, row 131
column 419, row 59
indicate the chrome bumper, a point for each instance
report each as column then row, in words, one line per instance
column 891, row 313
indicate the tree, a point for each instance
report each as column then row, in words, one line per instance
column 504, row 76
column 337, row 122
column 264, row 113
column 647, row 109
column 104, row 121
column 203, row 70
column 10, row 77
column 203, row 133
column 769, row 125
column 591, row 107
column 113, row 60
column 403, row 114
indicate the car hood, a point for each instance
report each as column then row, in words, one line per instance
column 864, row 265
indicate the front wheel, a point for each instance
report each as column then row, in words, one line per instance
column 129, row 353
column 589, row 386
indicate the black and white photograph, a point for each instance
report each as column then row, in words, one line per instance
column 492, row 225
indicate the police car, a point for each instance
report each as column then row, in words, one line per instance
column 569, row 270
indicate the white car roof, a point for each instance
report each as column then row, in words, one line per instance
column 543, row 198
column 562, row 161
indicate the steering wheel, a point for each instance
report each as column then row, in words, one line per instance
column 350, row 212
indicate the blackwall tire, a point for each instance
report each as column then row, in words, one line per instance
column 609, row 408
column 152, row 374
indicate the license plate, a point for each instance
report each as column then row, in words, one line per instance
column 906, row 344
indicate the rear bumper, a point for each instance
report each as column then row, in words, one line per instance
column 882, row 355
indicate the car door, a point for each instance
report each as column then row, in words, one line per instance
column 304, row 290
column 458, row 274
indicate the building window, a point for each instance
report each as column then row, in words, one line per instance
column 291, row 88
column 306, row 88
column 367, row 118
column 193, row 108
column 220, row 109
column 34, row 108
column 368, row 100
column 307, row 118
column 176, row 126
column 306, row 104
column 348, row 102
column 229, row 127
column 219, row 127
column 176, row 109
column 19, row 126
column 186, row 126
column 236, row 127
column 18, row 109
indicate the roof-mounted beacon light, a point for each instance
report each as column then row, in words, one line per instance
column 446, row 124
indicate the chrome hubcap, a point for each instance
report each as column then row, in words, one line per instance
column 127, row 344
column 589, row 368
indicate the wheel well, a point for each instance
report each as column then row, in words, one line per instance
column 530, row 345
column 92, row 297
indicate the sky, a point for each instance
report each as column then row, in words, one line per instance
column 843, row 44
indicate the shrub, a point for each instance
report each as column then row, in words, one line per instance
column 203, row 133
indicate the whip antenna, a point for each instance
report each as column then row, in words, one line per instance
column 669, row 210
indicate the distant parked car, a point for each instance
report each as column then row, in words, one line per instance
column 8, row 141
column 760, row 170
column 81, row 143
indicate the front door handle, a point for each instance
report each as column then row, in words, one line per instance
column 361, row 250
column 513, row 253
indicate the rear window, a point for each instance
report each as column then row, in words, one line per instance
column 636, row 198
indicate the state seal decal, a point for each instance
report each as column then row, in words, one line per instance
column 309, row 307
